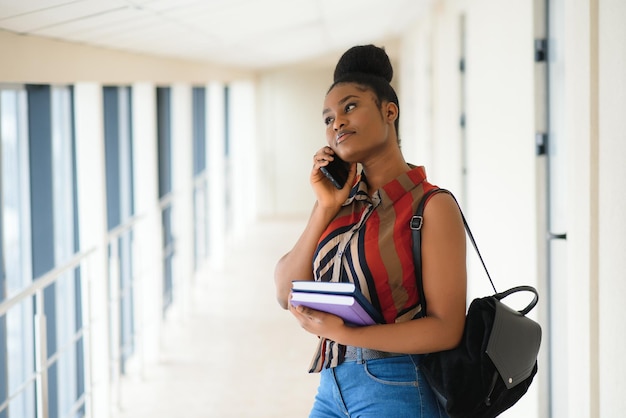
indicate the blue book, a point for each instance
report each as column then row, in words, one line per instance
column 341, row 299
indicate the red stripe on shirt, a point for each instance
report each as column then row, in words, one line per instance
column 394, row 190
column 375, row 262
column 340, row 222
column 403, row 243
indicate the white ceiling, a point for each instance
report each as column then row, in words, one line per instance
column 250, row 34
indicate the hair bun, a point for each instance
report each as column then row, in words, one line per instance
column 367, row 59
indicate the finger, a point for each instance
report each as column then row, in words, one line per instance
column 306, row 313
column 300, row 311
column 323, row 156
column 324, row 152
column 320, row 160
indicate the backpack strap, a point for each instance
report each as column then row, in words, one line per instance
column 417, row 221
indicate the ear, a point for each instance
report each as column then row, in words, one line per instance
column 390, row 111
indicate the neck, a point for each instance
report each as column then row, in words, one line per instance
column 383, row 168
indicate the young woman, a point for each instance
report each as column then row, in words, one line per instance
column 361, row 234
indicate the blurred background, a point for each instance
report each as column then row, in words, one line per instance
column 155, row 157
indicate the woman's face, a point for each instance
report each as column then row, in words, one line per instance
column 356, row 127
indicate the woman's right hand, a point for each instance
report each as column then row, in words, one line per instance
column 297, row 263
column 328, row 196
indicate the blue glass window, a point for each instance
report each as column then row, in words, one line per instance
column 119, row 186
column 16, row 326
column 164, row 138
column 200, row 193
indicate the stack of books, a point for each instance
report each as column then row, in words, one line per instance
column 341, row 299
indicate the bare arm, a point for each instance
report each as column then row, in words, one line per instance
column 445, row 282
column 297, row 263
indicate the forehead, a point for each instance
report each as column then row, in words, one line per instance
column 339, row 92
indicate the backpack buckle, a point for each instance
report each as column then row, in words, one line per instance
column 416, row 223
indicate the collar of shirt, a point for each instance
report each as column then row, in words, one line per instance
column 390, row 192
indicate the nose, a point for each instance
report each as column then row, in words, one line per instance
column 338, row 123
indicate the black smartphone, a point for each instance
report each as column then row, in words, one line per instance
column 337, row 171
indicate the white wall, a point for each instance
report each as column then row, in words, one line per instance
column 611, row 205
column 415, row 95
column 430, row 98
column 447, row 163
column 581, row 98
column 243, row 132
column 500, row 137
column 595, row 103
column 290, row 132
column 44, row 60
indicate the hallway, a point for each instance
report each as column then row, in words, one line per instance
column 235, row 353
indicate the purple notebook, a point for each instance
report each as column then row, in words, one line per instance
column 341, row 300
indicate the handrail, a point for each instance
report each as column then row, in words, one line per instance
column 200, row 179
column 126, row 226
column 52, row 275
column 36, row 289
column 166, row 200
column 16, row 392
column 44, row 281
column 114, row 305
column 42, row 361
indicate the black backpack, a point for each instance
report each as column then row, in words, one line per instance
column 494, row 365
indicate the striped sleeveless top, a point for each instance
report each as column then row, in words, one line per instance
column 369, row 243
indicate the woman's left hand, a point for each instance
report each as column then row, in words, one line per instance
column 321, row 324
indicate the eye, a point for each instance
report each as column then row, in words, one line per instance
column 328, row 121
column 349, row 107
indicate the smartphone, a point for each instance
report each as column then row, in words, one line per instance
column 337, row 171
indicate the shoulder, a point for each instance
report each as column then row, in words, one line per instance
column 441, row 200
column 442, row 211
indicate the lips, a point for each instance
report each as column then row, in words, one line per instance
column 342, row 136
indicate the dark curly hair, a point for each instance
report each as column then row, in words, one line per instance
column 368, row 66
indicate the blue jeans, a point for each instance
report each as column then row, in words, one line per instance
column 389, row 387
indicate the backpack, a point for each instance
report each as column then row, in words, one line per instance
column 494, row 365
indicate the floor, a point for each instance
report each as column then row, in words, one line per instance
column 236, row 353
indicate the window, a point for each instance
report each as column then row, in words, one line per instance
column 51, row 129
column 200, row 193
column 120, row 209
column 64, row 296
column 227, row 161
column 199, row 130
column 16, row 357
column 164, row 138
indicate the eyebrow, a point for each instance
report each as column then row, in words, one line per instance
column 342, row 101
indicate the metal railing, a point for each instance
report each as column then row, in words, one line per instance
column 115, row 307
column 166, row 204
column 42, row 361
